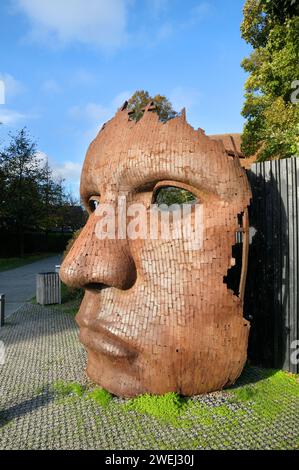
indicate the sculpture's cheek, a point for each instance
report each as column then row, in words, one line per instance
column 217, row 361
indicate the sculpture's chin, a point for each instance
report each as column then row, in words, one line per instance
column 216, row 363
column 117, row 375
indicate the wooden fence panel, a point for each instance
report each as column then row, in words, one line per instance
column 271, row 297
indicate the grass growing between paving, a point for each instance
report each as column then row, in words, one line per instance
column 70, row 390
column 259, row 412
column 70, row 300
column 49, row 404
column 11, row 263
column 251, row 411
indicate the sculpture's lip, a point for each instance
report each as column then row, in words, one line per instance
column 103, row 341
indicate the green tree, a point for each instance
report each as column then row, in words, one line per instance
column 52, row 196
column 21, row 204
column 72, row 215
column 140, row 100
column 272, row 119
column 30, row 197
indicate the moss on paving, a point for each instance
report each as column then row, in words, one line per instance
column 100, row 396
column 63, row 389
column 53, row 406
column 168, row 407
column 243, row 411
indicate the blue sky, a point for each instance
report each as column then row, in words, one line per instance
column 69, row 64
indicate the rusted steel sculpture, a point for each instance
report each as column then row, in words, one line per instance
column 156, row 315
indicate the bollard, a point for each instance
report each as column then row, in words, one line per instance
column 2, row 309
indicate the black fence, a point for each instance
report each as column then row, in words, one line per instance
column 272, row 289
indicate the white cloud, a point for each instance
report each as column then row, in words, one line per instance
column 164, row 32
column 96, row 114
column 83, row 77
column 69, row 171
column 158, row 6
column 51, row 86
column 201, row 10
column 197, row 14
column 2, row 92
column 100, row 23
column 90, row 112
column 13, row 87
column 10, row 117
column 184, row 97
column 42, row 157
column 162, row 22
column 119, row 100
column 91, row 117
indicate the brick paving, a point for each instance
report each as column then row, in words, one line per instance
column 42, row 348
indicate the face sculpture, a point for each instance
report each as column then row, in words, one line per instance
column 157, row 316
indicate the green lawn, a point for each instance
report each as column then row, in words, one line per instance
column 11, row 263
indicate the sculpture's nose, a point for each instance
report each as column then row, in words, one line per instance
column 92, row 261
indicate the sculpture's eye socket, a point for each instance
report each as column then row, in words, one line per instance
column 168, row 195
column 93, row 203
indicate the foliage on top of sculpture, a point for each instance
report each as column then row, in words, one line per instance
column 141, row 98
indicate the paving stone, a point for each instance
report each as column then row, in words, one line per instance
column 42, row 347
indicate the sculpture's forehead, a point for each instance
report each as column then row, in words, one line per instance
column 126, row 154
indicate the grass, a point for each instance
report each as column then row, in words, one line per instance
column 12, row 263
column 100, row 396
column 64, row 389
column 268, row 397
column 70, row 300
column 168, row 407
column 257, row 406
column 248, row 411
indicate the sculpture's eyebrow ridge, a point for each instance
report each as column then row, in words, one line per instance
column 142, row 174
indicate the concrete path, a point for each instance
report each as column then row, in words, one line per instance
column 18, row 284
